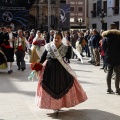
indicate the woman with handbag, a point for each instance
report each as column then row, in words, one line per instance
column 57, row 86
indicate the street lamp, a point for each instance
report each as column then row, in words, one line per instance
column 80, row 21
column 42, row 18
column 102, row 15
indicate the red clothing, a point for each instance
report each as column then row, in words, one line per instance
column 101, row 52
column 39, row 42
column 30, row 39
column 74, row 96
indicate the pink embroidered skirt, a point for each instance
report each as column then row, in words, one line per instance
column 74, row 96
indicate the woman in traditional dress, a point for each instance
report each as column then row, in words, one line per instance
column 3, row 61
column 37, row 48
column 57, row 86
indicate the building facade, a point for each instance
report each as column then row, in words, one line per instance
column 42, row 15
column 102, row 13
column 78, row 14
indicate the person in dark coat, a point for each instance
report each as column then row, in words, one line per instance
column 9, row 38
column 50, row 36
column 1, row 40
column 111, row 47
column 95, row 45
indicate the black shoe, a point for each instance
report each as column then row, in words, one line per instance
column 56, row 112
column 117, row 92
column 82, row 55
column 109, row 91
column 19, row 68
column 9, row 72
column 23, row 69
column 88, row 56
column 68, row 61
column 92, row 62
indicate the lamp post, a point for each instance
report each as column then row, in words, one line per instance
column 42, row 25
column 102, row 15
column 49, row 15
column 80, row 21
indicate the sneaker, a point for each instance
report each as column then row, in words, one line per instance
column 109, row 91
column 117, row 92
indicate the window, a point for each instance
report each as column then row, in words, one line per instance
column 94, row 26
column 117, row 23
column 94, row 10
column 71, row 8
column 80, row 9
column 105, row 6
column 104, row 26
column 62, row 1
column 72, row 20
column 116, row 8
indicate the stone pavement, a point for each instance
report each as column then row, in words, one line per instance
column 17, row 96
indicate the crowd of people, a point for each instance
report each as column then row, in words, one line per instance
column 57, row 82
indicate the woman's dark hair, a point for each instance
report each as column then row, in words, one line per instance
column 58, row 33
column 68, row 33
column 9, row 27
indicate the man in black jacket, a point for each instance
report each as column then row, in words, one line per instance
column 95, row 45
column 111, row 47
column 9, row 38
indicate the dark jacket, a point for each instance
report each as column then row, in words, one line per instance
column 1, row 37
column 6, row 38
column 95, row 41
column 111, row 47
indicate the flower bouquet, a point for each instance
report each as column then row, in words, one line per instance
column 39, row 42
column 35, row 67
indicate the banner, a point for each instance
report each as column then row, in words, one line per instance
column 64, row 16
column 17, row 3
column 16, row 16
column 16, row 11
column 110, row 3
